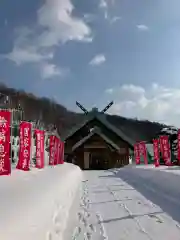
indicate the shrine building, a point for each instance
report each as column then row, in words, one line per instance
column 97, row 144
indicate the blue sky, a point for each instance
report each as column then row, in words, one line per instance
column 95, row 51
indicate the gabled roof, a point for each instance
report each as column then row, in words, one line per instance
column 101, row 118
column 92, row 133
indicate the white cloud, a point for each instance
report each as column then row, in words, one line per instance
column 25, row 51
column 55, row 26
column 49, row 70
column 27, row 55
column 115, row 19
column 109, row 90
column 89, row 17
column 106, row 3
column 104, row 6
column 61, row 26
column 155, row 103
column 142, row 27
column 98, row 60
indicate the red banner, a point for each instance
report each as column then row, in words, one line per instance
column 178, row 145
column 161, row 145
column 52, row 150
column 39, row 148
column 156, row 152
column 25, row 146
column 137, row 153
column 61, row 152
column 5, row 134
column 165, row 149
column 143, row 151
column 56, row 151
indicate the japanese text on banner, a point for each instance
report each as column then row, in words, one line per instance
column 156, row 152
column 165, row 148
column 39, row 148
column 5, row 163
column 137, row 153
column 61, row 152
column 25, row 146
column 178, row 145
column 143, row 151
column 52, row 150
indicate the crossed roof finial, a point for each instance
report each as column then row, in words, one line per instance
column 94, row 109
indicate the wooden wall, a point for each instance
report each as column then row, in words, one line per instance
column 98, row 145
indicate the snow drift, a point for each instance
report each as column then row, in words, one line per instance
column 35, row 205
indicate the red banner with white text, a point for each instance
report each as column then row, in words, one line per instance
column 56, row 150
column 143, row 151
column 61, row 152
column 5, row 134
column 156, row 152
column 165, row 149
column 52, row 150
column 178, row 146
column 137, row 153
column 25, row 129
column 39, row 148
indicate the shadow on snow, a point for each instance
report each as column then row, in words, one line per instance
column 161, row 188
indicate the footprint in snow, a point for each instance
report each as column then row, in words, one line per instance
column 92, row 228
column 58, row 229
column 85, row 222
column 156, row 218
column 87, row 214
column 87, row 236
column 56, row 218
column 80, row 216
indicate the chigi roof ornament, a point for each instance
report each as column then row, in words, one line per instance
column 94, row 109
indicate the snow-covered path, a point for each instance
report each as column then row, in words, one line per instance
column 129, row 204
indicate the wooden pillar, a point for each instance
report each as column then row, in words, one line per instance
column 86, row 160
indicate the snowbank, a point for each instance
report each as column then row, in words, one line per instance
column 35, row 205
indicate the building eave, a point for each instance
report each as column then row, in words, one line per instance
column 103, row 120
column 103, row 136
column 76, row 128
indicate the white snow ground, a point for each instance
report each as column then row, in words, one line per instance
column 36, row 205
column 128, row 204
column 120, row 204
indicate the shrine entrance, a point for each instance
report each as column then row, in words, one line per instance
column 97, row 161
